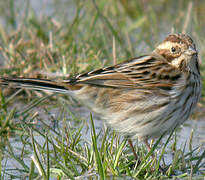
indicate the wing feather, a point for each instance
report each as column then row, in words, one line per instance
column 139, row 73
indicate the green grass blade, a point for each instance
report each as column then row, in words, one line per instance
column 97, row 154
column 36, row 159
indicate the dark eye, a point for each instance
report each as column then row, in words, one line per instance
column 173, row 49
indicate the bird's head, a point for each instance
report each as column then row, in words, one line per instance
column 180, row 51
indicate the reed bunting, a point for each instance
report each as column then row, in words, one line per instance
column 142, row 98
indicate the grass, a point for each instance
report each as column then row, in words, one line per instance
column 73, row 37
column 64, row 152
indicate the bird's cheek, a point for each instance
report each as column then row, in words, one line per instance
column 179, row 62
column 176, row 62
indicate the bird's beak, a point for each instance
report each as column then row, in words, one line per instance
column 191, row 51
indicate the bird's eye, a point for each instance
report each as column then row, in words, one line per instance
column 173, row 49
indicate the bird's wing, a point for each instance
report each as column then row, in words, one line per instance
column 143, row 72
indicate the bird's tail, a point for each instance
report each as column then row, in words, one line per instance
column 39, row 84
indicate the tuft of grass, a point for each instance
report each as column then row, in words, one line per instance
column 66, row 152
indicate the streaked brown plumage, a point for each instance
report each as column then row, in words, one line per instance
column 140, row 98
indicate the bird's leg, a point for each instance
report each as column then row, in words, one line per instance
column 134, row 152
column 149, row 148
column 153, row 156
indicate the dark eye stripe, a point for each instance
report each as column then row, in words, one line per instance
column 175, row 50
column 168, row 55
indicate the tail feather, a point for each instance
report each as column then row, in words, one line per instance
column 39, row 84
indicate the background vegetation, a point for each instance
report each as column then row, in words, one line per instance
column 59, row 39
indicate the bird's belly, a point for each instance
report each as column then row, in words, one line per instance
column 140, row 114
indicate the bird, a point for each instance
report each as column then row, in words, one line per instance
column 144, row 97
